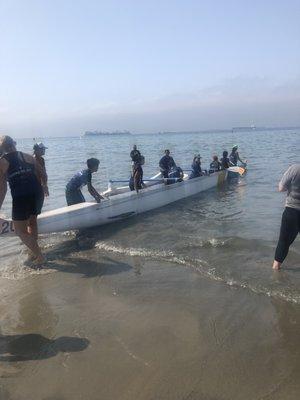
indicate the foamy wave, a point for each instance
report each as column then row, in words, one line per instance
column 198, row 265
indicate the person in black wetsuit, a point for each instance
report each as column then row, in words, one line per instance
column 135, row 154
column 225, row 162
column 23, row 174
column 166, row 163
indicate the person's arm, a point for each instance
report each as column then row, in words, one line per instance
column 239, row 159
column 3, row 183
column 93, row 192
column 40, row 172
column 43, row 177
column 162, row 164
column 285, row 181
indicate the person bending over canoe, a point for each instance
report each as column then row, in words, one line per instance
column 225, row 162
column 290, row 222
column 235, row 157
column 39, row 150
column 196, row 167
column 24, row 175
column 166, row 163
column 215, row 165
column 82, row 178
column 136, row 179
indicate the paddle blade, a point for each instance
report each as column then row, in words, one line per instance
column 237, row 170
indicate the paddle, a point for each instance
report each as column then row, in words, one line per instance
column 238, row 170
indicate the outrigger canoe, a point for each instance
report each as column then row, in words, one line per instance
column 119, row 203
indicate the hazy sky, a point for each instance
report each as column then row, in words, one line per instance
column 70, row 66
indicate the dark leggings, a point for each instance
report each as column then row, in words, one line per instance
column 290, row 227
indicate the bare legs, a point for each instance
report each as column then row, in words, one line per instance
column 28, row 233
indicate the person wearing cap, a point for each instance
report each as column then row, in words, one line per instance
column 83, row 178
column 290, row 222
column 39, row 150
column 24, row 175
column 166, row 164
column 235, row 157
column 196, row 167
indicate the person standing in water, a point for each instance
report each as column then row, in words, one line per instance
column 235, row 157
column 39, row 150
column 82, row 178
column 24, row 175
column 290, row 222
column 136, row 179
column 215, row 165
column 225, row 163
column 135, row 154
column 196, row 167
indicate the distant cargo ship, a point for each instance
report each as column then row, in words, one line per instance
column 244, row 128
column 102, row 133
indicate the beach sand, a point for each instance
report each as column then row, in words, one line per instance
column 102, row 326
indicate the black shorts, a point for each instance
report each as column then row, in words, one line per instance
column 74, row 197
column 23, row 207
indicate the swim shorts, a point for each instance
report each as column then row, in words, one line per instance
column 23, row 207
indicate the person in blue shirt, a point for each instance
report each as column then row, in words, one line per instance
column 166, row 164
column 196, row 167
column 83, row 178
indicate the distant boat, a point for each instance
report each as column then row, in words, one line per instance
column 244, row 128
column 102, row 133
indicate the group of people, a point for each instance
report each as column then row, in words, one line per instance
column 171, row 172
column 28, row 181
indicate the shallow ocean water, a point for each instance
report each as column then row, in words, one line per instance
column 227, row 234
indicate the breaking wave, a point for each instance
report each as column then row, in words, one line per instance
column 202, row 267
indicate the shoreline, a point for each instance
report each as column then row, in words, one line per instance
column 138, row 328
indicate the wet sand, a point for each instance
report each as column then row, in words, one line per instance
column 102, row 326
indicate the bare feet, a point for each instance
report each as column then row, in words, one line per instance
column 276, row 265
column 30, row 256
column 39, row 262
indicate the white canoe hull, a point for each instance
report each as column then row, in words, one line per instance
column 120, row 206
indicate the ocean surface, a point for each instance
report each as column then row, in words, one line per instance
column 177, row 303
column 227, row 234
